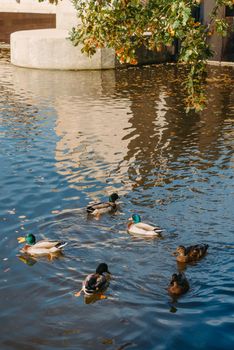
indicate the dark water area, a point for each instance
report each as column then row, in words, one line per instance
column 68, row 138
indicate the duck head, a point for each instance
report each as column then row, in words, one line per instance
column 174, row 279
column 136, row 218
column 102, row 268
column 178, row 278
column 29, row 239
column 180, row 250
column 113, row 197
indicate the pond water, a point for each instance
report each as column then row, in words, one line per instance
column 68, row 138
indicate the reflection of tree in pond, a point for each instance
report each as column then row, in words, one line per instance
column 161, row 133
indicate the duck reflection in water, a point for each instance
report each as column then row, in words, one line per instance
column 31, row 260
column 26, row 259
column 95, row 284
column 91, row 299
column 181, row 267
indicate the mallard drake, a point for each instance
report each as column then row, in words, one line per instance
column 96, row 283
column 40, row 248
column 97, row 209
column 191, row 253
column 135, row 226
column 178, row 285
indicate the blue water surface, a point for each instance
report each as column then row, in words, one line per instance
column 68, row 138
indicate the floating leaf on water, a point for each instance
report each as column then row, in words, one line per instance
column 54, row 190
column 107, row 341
column 71, row 331
column 55, row 212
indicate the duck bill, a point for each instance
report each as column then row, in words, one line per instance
column 174, row 253
column 21, row 239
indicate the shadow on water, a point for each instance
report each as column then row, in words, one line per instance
column 69, row 138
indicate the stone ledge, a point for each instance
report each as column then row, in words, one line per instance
column 220, row 63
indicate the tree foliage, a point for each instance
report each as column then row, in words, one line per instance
column 125, row 25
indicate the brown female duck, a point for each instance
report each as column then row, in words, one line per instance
column 191, row 253
column 178, row 285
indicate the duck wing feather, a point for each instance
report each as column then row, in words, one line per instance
column 98, row 206
column 148, row 227
column 47, row 244
column 95, row 283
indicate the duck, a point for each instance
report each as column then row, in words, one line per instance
column 178, row 285
column 96, row 209
column 191, row 253
column 135, row 226
column 96, row 283
column 40, row 248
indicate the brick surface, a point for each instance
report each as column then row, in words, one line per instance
column 11, row 22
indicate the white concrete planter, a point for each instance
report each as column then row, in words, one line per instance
column 50, row 49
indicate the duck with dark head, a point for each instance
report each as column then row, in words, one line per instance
column 98, row 208
column 95, row 284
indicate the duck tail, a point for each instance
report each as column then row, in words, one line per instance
column 60, row 245
column 90, row 209
column 158, row 231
